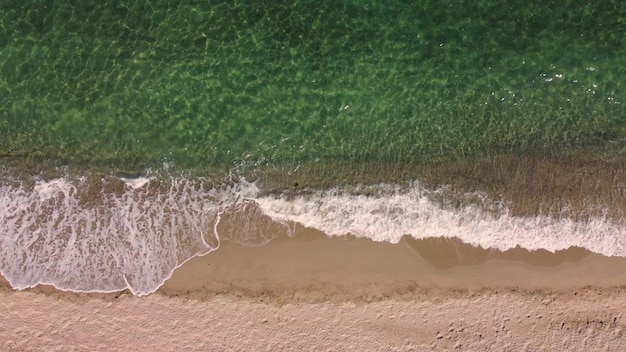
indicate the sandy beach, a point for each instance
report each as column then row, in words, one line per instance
column 313, row 293
column 312, row 175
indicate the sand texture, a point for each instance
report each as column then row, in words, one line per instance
column 311, row 293
column 590, row 321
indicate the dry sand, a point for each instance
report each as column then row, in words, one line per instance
column 311, row 293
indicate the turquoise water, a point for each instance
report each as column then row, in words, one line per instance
column 212, row 84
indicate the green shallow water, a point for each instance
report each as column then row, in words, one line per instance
column 215, row 84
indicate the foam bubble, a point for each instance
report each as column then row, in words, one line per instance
column 136, row 182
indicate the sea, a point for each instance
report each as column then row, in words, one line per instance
column 136, row 135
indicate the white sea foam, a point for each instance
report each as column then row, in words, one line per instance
column 131, row 234
column 392, row 212
column 136, row 182
column 76, row 236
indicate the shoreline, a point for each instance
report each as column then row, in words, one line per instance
column 313, row 293
column 311, row 267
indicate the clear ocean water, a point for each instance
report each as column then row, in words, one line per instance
column 134, row 133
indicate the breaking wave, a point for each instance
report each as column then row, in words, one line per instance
column 110, row 234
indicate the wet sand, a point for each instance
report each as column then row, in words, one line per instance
column 314, row 293
column 312, row 267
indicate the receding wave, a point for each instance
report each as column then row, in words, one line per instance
column 108, row 234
